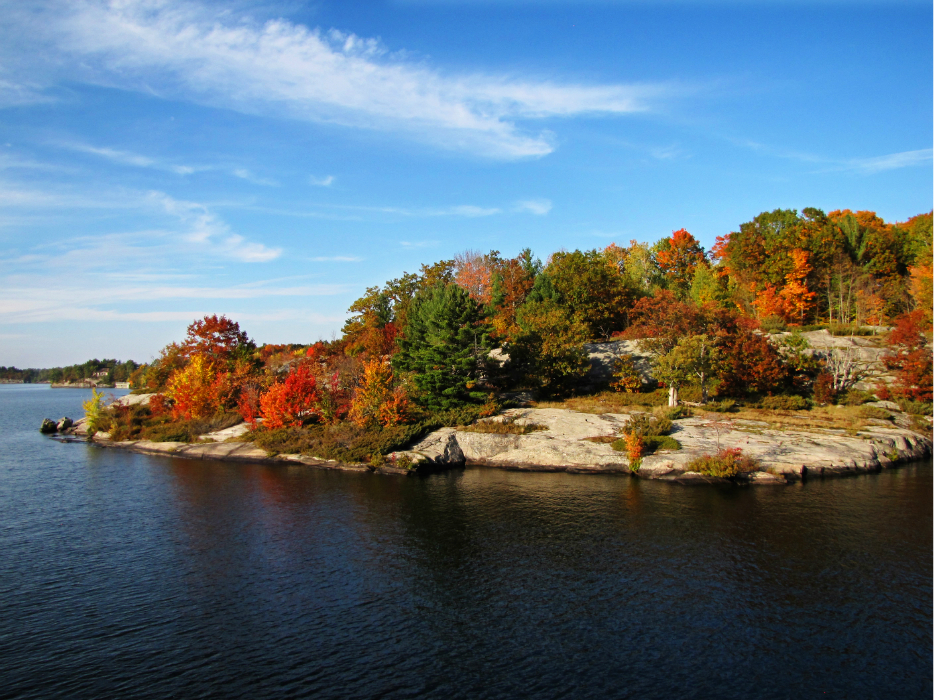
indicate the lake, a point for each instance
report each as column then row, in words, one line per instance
column 124, row 575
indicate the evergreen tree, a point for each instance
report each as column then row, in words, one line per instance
column 443, row 342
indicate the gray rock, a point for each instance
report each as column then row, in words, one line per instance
column 48, row 426
column 440, row 448
column 64, row 424
column 133, row 400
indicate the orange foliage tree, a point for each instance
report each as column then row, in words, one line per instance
column 377, row 400
column 194, row 389
column 679, row 259
column 798, row 298
column 292, row 402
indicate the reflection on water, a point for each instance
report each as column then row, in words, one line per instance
column 127, row 575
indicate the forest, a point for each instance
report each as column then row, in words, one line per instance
column 462, row 338
column 114, row 371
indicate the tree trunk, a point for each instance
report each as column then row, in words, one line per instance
column 672, row 395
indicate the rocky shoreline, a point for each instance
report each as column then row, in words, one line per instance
column 579, row 443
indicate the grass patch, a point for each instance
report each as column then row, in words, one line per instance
column 609, row 402
column 506, row 426
column 817, row 419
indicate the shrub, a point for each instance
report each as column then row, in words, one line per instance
column 672, row 412
column 625, row 375
column 850, row 330
column 824, row 392
column 773, row 324
column 92, row 411
column 875, row 412
column 653, row 443
column 724, row 406
column 855, row 397
column 785, row 403
column 193, row 389
column 725, row 464
column 915, row 408
column 635, row 448
column 645, row 424
column 507, row 426
column 348, row 442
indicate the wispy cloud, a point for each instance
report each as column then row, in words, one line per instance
column 245, row 174
column 539, row 207
column 207, row 230
column 418, row 244
column 129, row 158
column 321, row 181
column 196, row 52
column 864, row 166
column 893, row 161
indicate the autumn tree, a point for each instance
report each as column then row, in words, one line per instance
column 678, row 258
column 216, row 337
column 292, row 402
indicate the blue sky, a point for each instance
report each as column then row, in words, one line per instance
column 163, row 160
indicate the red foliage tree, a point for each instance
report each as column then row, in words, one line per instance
column 911, row 358
column 215, row 337
column 750, row 364
column 292, row 402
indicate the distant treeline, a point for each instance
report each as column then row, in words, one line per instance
column 106, row 371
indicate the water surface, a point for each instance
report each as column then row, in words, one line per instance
column 125, row 575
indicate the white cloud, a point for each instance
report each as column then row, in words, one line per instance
column 893, row 161
column 194, row 51
column 129, row 158
column 321, row 181
column 207, row 230
column 539, row 207
column 245, row 174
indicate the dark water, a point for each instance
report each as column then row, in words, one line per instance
column 128, row 576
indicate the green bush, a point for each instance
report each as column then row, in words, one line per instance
column 875, row 412
column 673, row 412
column 724, row 406
column 915, row 408
column 850, row 330
column 855, row 397
column 726, row 464
column 646, row 425
column 788, row 402
column 658, row 397
column 812, row 327
column 650, row 443
column 772, row 324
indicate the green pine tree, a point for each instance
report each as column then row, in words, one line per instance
column 443, row 343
